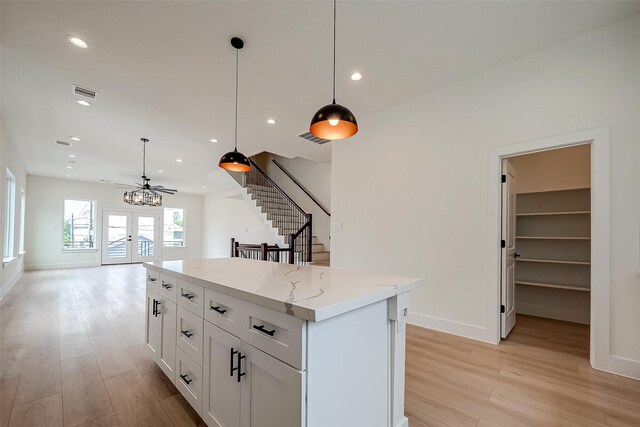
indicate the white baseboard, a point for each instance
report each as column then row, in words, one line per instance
column 554, row 313
column 625, row 367
column 7, row 287
column 62, row 265
column 450, row 327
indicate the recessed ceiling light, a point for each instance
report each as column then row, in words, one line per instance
column 73, row 156
column 78, row 42
column 213, row 140
column 74, row 138
column 179, row 160
column 69, row 167
column 356, row 76
column 68, row 176
column 160, row 171
column 83, row 102
column 271, row 122
column 204, row 186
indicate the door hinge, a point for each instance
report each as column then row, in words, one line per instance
column 502, row 308
column 503, row 243
column 503, row 179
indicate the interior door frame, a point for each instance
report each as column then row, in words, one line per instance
column 598, row 139
column 158, row 233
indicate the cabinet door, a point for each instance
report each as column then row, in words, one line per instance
column 167, row 349
column 152, row 324
column 221, row 393
column 272, row 391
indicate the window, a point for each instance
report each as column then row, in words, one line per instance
column 173, row 230
column 9, row 218
column 22, row 215
column 79, row 224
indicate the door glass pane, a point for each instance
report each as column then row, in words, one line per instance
column 146, row 226
column 117, row 237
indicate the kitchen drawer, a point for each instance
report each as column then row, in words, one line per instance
column 189, row 334
column 275, row 333
column 168, row 286
column 190, row 296
column 189, row 380
column 153, row 280
column 224, row 311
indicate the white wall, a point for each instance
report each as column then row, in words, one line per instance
column 562, row 169
column 228, row 215
column 45, row 200
column 9, row 158
column 425, row 213
column 314, row 176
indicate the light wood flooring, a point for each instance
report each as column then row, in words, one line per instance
column 72, row 353
column 539, row 376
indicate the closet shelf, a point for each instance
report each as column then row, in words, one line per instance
column 553, row 285
column 553, row 213
column 553, row 238
column 554, row 261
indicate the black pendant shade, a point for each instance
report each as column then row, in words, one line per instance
column 333, row 121
column 235, row 161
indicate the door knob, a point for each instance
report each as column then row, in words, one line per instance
column 516, row 255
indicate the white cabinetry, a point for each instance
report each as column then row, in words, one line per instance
column 241, row 364
column 245, row 387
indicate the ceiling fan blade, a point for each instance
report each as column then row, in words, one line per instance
column 166, row 191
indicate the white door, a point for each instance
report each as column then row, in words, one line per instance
column 152, row 324
column 508, row 285
column 272, row 392
column 221, row 392
column 130, row 237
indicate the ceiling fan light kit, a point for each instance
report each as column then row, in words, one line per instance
column 235, row 161
column 146, row 195
column 333, row 121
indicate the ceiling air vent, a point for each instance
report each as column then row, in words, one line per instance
column 84, row 92
column 310, row 137
column 65, row 143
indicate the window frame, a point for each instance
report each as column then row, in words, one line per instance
column 184, row 226
column 94, row 219
column 8, row 244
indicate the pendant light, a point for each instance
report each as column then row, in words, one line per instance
column 333, row 121
column 235, row 161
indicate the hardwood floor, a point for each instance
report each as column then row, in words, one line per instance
column 539, row 376
column 72, row 354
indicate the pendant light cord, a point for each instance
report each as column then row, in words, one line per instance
column 235, row 145
column 144, row 157
column 334, row 51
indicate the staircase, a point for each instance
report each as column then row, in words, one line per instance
column 284, row 216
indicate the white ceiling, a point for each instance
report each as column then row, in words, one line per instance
column 165, row 71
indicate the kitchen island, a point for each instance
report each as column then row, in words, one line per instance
column 256, row 343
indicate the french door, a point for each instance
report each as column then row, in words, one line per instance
column 129, row 237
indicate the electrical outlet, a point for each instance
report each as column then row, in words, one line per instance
column 337, row 225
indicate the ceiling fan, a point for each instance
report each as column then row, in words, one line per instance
column 146, row 194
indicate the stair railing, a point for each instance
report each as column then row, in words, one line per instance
column 286, row 215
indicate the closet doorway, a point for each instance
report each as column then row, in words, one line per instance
column 599, row 232
column 546, row 217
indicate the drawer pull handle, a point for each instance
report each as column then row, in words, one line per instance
column 155, row 308
column 219, row 310
column 240, row 373
column 262, row 329
column 185, row 379
column 167, row 285
column 152, row 279
column 187, row 296
column 187, row 333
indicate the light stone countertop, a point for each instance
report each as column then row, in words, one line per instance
column 312, row 292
